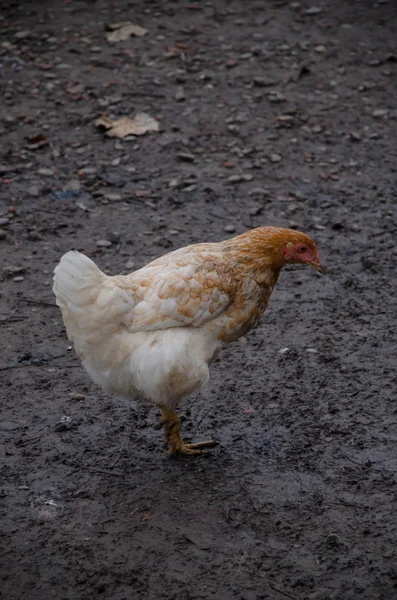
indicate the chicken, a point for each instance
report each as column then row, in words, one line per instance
column 154, row 333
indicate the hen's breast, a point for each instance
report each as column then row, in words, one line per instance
column 245, row 312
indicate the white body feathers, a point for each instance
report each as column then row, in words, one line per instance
column 128, row 339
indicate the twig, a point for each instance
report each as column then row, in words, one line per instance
column 28, row 441
column 114, row 463
column 40, row 302
column 272, row 587
column 9, row 320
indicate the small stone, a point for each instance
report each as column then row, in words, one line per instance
column 46, row 172
column 313, row 10
column 283, row 351
column 113, row 197
column 317, row 129
column 333, row 539
column 180, row 95
column 378, row 113
column 259, row 192
column 255, row 210
column 33, row 191
column 234, row 178
column 354, row 136
column 130, row 264
column 18, row 278
column 247, row 177
column 275, row 158
column 320, row 48
column 9, row 426
column 263, row 81
column 311, row 350
column 173, row 183
column 88, row 171
column 103, row 243
column 185, row 156
column 78, row 397
column 4, row 221
column 3, row 234
column 276, row 97
column 230, row 229
column 21, row 35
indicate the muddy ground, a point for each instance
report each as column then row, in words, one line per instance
column 278, row 113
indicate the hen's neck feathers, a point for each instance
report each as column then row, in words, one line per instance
column 261, row 250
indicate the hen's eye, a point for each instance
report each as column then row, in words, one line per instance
column 302, row 249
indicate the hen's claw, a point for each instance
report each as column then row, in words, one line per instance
column 173, row 438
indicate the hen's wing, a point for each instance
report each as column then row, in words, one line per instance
column 188, row 287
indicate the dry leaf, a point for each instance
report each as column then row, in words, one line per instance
column 123, row 31
column 142, row 123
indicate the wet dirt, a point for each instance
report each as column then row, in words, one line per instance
column 279, row 113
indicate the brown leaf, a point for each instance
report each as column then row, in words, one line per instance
column 37, row 141
column 142, row 123
column 123, row 31
column 147, row 517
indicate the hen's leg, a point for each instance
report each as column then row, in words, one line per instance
column 173, row 438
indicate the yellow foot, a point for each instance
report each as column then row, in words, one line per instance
column 173, row 438
column 179, row 447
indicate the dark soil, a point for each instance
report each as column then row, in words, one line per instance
column 271, row 113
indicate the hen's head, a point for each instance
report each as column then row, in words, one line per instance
column 275, row 246
column 301, row 249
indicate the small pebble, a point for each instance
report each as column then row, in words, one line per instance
column 263, row 81
column 230, row 229
column 65, row 419
column 4, row 221
column 33, row 191
column 333, row 539
column 130, row 264
column 275, row 158
column 354, row 136
column 104, row 243
column 18, row 278
column 185, row 156
column 313, row 10
column 9, row 426
column 259, row 192
column 311, row 350
column 283, row 351
column 320, row 48
column 88, row 171
column 380, row 112
column 21, row 35
column 46, row 172
column 180, row 95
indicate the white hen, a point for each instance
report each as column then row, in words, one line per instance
column 152, row 334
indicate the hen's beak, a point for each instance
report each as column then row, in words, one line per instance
column 317, row 265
